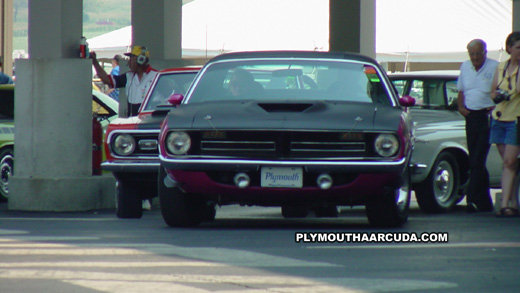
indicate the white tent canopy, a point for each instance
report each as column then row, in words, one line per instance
column 112, row 43
column 211, row 27
column 240, row 25
column 406, row 30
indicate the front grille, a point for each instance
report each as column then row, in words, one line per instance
column 283, row 144
column 338, row 147
column 146, row 144
column 238, row 146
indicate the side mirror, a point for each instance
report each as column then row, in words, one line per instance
column 175, row 99
column 407, row 101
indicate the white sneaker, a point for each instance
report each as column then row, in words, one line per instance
column 146, row 205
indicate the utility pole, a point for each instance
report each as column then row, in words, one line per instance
column 516, row 15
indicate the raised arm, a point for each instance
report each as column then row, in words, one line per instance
column 101, row 73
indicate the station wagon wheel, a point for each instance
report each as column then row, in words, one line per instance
column 128, row 203
column 180, row 209
column 439, row 192
column 391, row 208
column 6, row 171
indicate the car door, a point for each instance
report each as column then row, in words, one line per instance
column 440, row 95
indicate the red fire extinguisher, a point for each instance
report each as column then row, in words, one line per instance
column 83, row 48
column 97, row 145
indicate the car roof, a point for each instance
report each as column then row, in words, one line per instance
column 426, row 74
column 181, row 69
column 293, row 54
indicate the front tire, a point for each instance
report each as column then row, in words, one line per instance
column 6, row 171
column 391, row 208
column 181, row 209
column 128, row 203
column 439, row 192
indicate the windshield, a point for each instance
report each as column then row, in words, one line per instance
column 167, row 85
column 288, row 80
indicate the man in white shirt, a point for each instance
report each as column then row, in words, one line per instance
column 137, row 81
column 474, row 103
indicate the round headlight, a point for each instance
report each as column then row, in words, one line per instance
column 386, row 145
column 178, row 143
column 124, row 145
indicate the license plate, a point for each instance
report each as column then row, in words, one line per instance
column 291, row 177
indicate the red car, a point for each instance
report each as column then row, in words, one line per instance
column 131, row 144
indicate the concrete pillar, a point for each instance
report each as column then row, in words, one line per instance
column 6, row 36
column 53, row 117
column 352, row 26
column 157, row 24
column 516, row 15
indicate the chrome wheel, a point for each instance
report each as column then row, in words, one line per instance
column 6, row 171
column 443, row 181
column 439, row 191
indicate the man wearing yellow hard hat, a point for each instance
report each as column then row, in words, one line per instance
column 137, row 81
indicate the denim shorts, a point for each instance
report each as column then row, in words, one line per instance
column 503, row 132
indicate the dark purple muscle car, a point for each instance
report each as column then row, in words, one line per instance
column 299, row 130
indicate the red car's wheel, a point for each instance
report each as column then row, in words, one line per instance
column 128, row 203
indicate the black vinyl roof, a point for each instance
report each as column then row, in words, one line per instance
column 294, row 54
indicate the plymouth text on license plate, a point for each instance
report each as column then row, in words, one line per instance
column 282, row 177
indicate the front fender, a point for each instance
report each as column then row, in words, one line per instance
column 427, row 149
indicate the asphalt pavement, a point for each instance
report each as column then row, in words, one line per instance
column 253, row 249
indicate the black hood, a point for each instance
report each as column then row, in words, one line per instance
column 152, row 122
column 294, row 115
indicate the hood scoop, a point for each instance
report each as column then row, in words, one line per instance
column 285, row 107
